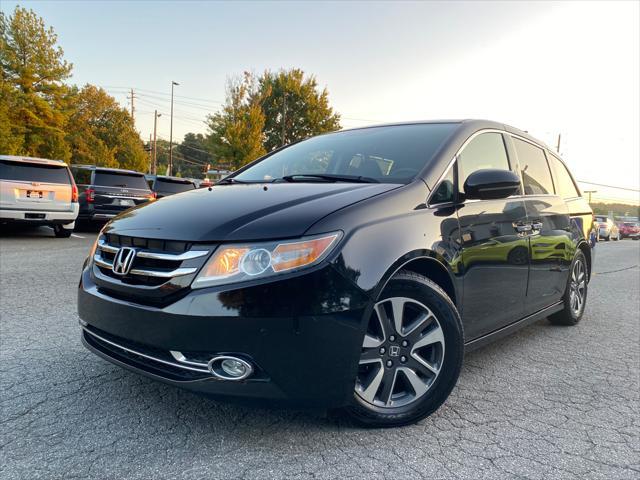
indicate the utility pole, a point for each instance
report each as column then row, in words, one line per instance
column 150, row 154
column 284, row 117
column 171, row 131
column 589, row 192
column 558, row 144
column 132, row 97
column 155, row 142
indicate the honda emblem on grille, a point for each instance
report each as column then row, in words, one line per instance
column 123, row 260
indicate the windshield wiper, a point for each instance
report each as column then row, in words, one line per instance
column 328, row 177
column 231, row 180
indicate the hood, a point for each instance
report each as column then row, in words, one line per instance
column 242, row 212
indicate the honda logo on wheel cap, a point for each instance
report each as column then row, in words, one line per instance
column 123, row 260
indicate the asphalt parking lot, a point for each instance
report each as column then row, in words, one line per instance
column 547, row 402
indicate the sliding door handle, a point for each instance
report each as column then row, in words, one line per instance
column 522, row 227
column 536, row 226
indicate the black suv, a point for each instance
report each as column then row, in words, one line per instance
column 164, row 186
column 106, row 192
column 350, row 270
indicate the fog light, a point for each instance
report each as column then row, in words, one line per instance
column 234, row 368
column 226, row 367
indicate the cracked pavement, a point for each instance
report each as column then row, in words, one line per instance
column 545, row 403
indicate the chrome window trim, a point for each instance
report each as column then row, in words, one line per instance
column 457, row 154
column 466, row 142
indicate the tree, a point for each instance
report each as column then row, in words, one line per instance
column 193, row 156
column 33, row 70
column 101, row 132
column 11, row 135
column 236, row 137
column 294, row 108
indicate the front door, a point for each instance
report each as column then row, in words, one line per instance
column 495, row 245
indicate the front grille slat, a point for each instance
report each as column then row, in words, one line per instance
column 151, row 266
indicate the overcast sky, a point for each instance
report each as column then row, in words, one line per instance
column 548, row 68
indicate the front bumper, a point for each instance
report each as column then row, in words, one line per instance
column 302, row 334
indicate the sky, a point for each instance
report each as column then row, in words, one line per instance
column 549, row 68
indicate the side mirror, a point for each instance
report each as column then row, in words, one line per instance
column 491, row 183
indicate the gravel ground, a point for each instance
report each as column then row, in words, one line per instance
column 547, row 402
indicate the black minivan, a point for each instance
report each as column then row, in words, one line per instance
column 351, row 270
column 163, row 186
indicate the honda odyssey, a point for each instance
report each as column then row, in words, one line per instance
column 350, row 270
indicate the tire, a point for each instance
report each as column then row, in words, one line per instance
column 570, row 315
column 61, row 232
column 606, row 239
column 415, row 365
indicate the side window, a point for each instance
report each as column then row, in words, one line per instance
column 535, row 170
column 562, row 179
column 485, row 151
column 444, row 193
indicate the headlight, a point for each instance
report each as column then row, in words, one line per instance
column 236, row 263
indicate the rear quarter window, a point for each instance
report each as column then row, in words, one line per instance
column 562, row 179
column 536, row 175
column 34, row 172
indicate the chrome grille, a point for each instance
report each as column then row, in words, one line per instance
column 155, row 262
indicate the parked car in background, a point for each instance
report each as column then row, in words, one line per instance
column 607, row 229
column 351, row 269
column 206, row 183
column 164, row 186
column 629, row 230
column 106, row 192
column 38, row 191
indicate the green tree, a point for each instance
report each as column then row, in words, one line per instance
column 33, row 70
column 11, row 136
column 294, row 107
column 193, row 156
column 101, row 132
column 236, row 133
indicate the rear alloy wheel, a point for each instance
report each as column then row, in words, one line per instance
column 575, row 297
column 411, row 353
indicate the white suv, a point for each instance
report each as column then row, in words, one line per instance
column 39, row 192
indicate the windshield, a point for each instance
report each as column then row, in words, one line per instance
column 34, row 172
column 392, row 154
column 124, row 180
column 170, row 186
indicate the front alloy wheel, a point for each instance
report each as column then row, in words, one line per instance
column 402, row 353
column 411, row 353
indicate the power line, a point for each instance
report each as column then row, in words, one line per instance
column 198, row 99
column 190, row 147
column 610, row 186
